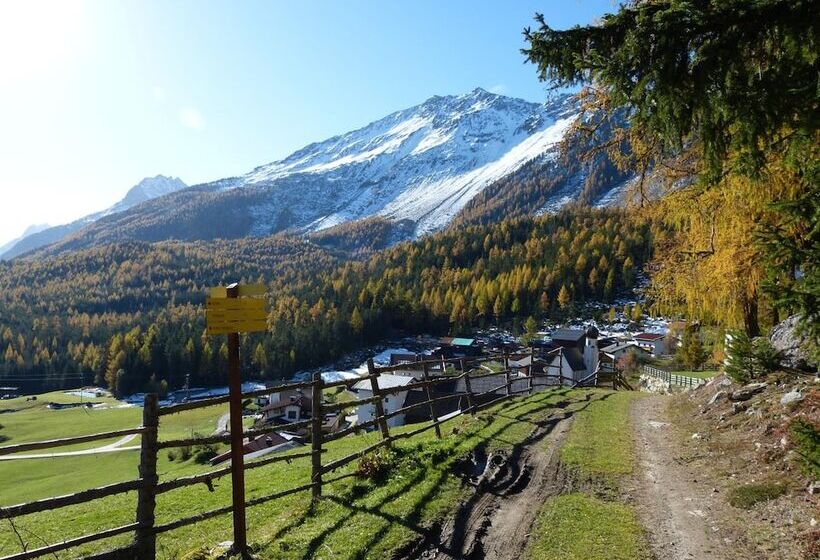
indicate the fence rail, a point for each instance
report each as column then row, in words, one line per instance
column 430, row 374
column 672, row 378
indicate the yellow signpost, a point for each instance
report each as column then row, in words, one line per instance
column 232, row 310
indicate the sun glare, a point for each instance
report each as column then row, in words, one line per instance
column 38, row 36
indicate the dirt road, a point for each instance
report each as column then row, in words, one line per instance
column 495, row 523
column 675, row 509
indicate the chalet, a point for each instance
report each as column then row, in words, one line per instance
column 391, row 402
column 287, row 408
column 615, row 351
column 456, row 347
column 267, row 443
column 653, row 342
column 399, row 358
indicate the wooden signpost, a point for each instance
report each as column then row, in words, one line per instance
column 232, row 310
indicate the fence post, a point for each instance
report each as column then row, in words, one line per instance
column 470, row 401
column 507, row 374
column 429, row 393
column 374, row 384
column 316, row 436
column 145, row 541
column 529, row 379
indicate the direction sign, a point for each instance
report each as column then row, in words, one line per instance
column 226, row 315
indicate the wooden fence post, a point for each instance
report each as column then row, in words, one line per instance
column 379, row 405
column 507, row 374
column 316, row 436
column 529, row 379
column 145, row 541
column 429, row 393
column 470, row 400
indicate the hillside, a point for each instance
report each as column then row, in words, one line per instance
column 418, row 169
column 138, row 306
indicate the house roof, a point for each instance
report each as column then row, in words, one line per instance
column 622, row 346
column 571, row 335
column 648, row 336
column 463, row 341
column 301, row 401
column 386, row 381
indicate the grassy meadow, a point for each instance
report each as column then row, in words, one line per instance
column 360, row 518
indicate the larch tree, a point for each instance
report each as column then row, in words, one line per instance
column 715, row 102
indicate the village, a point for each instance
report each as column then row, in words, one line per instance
column 579, row 356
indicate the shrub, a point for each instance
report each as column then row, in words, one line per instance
column 204, row 453
column 749, row 359
column 745, row 497
column 172, row 455
column 185, row 453
column 806, row 438
column 377, row 465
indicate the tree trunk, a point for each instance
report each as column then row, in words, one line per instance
column 750, row 321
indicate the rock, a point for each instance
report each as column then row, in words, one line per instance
column 739, row 407
column 790, row 344
column 719, row 396
column 726, row 382
column 814, row 487
column 747, row 391
column 696, row 436
column 794, row 396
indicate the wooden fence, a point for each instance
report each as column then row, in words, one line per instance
column 428, row 374
column 672, row 378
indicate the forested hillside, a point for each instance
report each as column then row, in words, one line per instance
column 132, row 315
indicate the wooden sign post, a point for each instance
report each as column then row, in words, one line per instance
column 231, row 310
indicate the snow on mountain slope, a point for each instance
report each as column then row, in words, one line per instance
column 148, row 188
column 423, row 164
column 417, row 168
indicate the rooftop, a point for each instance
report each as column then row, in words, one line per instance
column 386, row 381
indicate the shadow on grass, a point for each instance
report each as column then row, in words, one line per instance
column 514, row 411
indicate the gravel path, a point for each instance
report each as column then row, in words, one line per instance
column 675, row 509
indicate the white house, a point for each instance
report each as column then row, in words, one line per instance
column 573, row 364
column 391, row 403
column 653, row 342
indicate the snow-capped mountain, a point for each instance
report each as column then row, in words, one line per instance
column 422, row 164
column 147, row 189
column 417, row 168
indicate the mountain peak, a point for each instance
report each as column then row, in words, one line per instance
column 146, row 189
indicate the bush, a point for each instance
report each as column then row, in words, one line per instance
column 172, row 455
column 185, row 453
column 749, row 359
column 204, row 453
column 377, row 465
column 806, row 438
column 745, row 497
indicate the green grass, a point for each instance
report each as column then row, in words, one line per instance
column 580, row 527
column 745, row 497
column 358, row 519
column 600, row 441
column 707, row 374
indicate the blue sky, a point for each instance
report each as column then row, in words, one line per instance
column 95, row 96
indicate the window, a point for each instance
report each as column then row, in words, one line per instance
column 291, row 415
